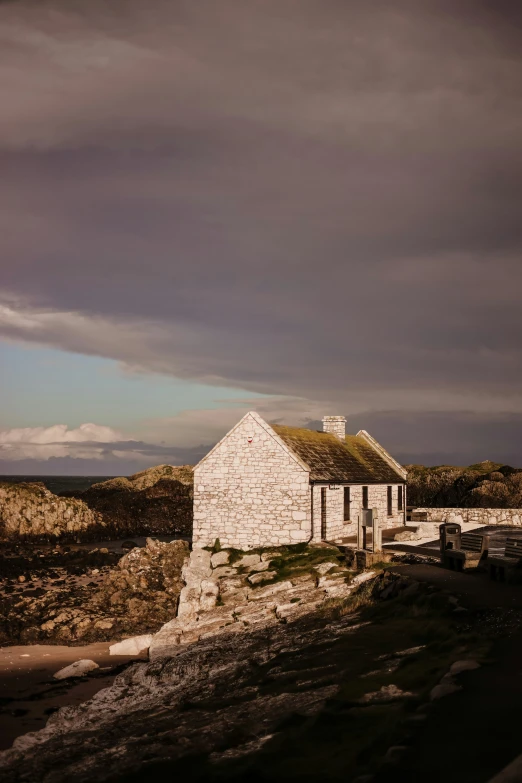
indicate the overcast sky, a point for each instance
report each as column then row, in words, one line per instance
column 294, row 206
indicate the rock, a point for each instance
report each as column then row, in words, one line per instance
column 128, row 545
column 445, row 687
column 165, row 641
column 339, row 590
column 104, row 625
column 188, row 611
column 230, row 585
column 386, row 693
column 248, row 560
column 197, row 568
column 209, row 595
column 256, row 579
column 219, row 559
column 265, row 592
column 363, row 577
column 463, row 666
column 190, row 594
column 21, row 578
column 222, row 571
column 30, row 510
column 412, row 589
column 255, row 614
column 132, row 646
column 271, row 555
column 406, row 535
column 331, row 579
column 155, row 501
column 292, row 611
column 323, row 568
column 76, row 669
column 259, row 567
column 395, row 753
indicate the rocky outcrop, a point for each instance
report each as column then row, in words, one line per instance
column 30, row 511
column 205, row 700
column 484, row 485
column 156, row 501
column 221, row 597
column 270, row 694
column 99, row 603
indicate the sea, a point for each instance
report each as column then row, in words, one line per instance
column 57, row 484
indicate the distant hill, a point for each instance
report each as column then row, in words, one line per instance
column 483, row 485
column 155, row 501
column 56, row 484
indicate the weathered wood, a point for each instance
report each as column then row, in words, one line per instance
column 503, row 568
column 472, row 552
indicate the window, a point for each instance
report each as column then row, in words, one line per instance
column 390, row 501
column 323, row 513
column 399, row 499
column 365, row 497
column 347, row 504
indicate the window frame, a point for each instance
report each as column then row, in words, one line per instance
column 365, row 497
column 324, row 513
column 347, row 501
column 389, row 500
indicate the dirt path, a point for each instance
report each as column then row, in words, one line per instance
column 28, row 692
column 471, row 735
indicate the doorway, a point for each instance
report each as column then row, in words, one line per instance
column 323, row 513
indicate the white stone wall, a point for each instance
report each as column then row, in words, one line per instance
column 336, row 527
column 482, row 516
column 251, row 494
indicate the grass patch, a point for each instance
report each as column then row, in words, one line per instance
column 301, row 559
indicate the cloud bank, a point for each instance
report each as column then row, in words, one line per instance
column 315, row 200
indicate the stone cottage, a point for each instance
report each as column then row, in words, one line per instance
column 268, row 485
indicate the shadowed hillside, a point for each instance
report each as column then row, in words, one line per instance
column 155, row 501
column 484, row 485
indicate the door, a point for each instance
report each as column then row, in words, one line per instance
column 323, row 513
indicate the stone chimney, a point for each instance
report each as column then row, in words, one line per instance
column 335, row 425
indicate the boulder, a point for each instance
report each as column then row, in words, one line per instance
column 363, row 577
column 323, row 568
column 197, row 568
column 132, row 646
column 222, row 571
column 263, row 576
column 76, row 669
column 219, row 559
column 263, row 566
column 248, row 560
column 406, row 535
column 265, row 592
column 209, row 595
column 386, row 693
column 463, row 666
column 445, row 687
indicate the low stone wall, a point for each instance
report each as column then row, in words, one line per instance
column 482, row 516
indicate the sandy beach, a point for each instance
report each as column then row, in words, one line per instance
column 28, row 692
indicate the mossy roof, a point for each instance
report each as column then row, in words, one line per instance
column 351, row 461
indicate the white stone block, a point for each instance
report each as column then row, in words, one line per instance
column 132, row 646
column 76, row 669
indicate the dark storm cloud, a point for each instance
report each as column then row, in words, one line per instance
column 449, row 438
column 307, row 198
